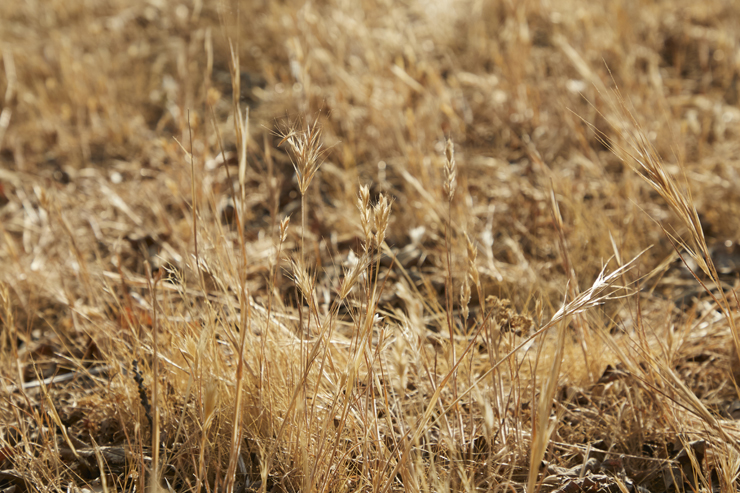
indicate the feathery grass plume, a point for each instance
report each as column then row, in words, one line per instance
column 303, row 279
column 651, row 168
column 639, row 150
column 603, row 289
column 307, row 156
column 306, row 151
column 450, row 171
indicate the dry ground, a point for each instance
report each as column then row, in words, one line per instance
column 549, row 305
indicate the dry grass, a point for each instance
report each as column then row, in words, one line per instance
column 511, row 263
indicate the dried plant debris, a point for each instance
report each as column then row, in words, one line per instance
column 369, row 246
column 506, row 318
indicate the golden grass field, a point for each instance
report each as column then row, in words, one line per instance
column 369, row 245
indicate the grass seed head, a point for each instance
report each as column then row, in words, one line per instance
column 472, row 255
column 302, row 278
column 306, row 152
column 363, row 205
column 351, row 275
column 284, row 228
column 465, row 298
column 450, row 171
column 382, row 215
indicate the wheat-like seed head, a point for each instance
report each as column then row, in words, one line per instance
column 450, row 171
column 363, row 205
column 382, row 215
column 465, row 298
column 284, row 228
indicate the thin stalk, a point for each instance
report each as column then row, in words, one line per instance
column 154, row 480
column 303, row 228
